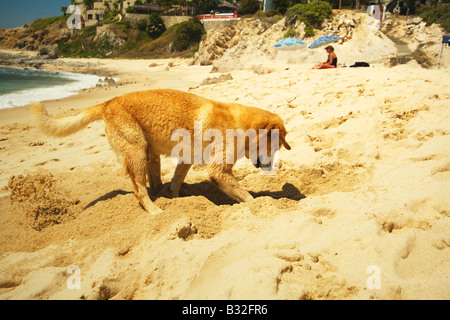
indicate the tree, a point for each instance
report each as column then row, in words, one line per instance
column 188, row 33
column 155, row 25
column 311, row 14
column 249, row 6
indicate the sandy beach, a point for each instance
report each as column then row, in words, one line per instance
column 358, row 210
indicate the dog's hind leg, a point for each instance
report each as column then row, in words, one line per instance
column 227, row 182
column 154, row 172
column 135, row 161
column 132, row 146
column 178, row 178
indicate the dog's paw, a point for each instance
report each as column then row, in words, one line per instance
column 165, row 192
column 155, row 210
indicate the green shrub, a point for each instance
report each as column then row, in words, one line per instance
column 309, row 30
column 74, row 47
column 141, row 25
column 187, row 33
column 314, row 13
column 439, row 14
column 41, row 24
column 290, row 33
column 284, row 5
column 155, row 25
column 311, row 14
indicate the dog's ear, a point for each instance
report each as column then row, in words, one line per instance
column 281, row 132
column 283, row 139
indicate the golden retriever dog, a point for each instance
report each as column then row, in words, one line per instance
column 139, row 127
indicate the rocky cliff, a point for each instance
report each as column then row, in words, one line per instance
column 31, row 38
column 248, row 43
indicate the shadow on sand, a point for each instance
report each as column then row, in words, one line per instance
column 210, row 191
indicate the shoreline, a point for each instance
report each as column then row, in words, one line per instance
column 133, row 75
column 29, row 59
column 63, row 84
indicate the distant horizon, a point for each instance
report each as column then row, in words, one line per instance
column 13, row 15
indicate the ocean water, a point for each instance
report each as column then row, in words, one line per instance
column 21, row 86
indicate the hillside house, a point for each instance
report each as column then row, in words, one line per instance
column 95, row 12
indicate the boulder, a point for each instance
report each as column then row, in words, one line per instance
column 49, row 52
column 221, row 78
column 21, row 43
column 416, row 20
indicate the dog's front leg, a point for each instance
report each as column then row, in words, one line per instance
column 154, row 172
column 178, row 178
column 227, row 182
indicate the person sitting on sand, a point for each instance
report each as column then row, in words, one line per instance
column 331, row 61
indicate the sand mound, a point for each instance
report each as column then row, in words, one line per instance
column 43, row 203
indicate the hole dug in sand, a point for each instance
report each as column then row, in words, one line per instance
column 296, row 182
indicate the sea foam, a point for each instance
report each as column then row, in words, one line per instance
column 27, row 96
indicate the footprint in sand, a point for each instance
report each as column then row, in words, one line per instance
column 441, row 169
column 36, row 144
column 45, row 162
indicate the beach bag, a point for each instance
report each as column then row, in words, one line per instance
column 360, row 64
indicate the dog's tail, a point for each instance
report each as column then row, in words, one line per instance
column 64, row 126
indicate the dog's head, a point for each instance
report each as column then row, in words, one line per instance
column 269, row 140
column 277, row 131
